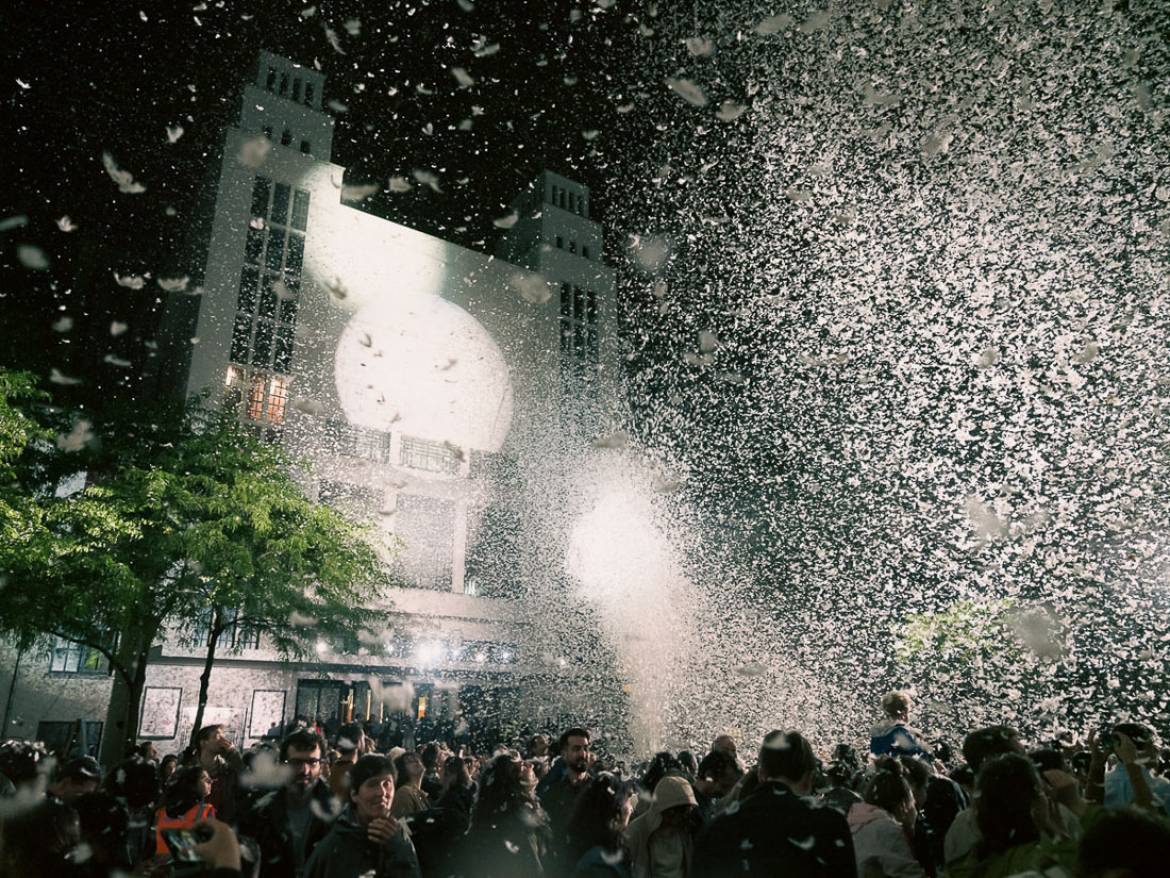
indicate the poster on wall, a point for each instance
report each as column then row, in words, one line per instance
column 160, row 712
column 267, row 718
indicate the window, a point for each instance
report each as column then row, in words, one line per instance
column 296, row 93
column 308, row 94
column 280, row 203
column 241, row 338
column 300, row 217
column 296, row 255
column 270, row 82
column 261, row 348
column 306, row 147
column 283, row 84
column 560, row 243
column 579, row 340
column 562, row 198
column 73, row 658
column 274, row 255
column 585, row 250
column 572, row 246
column 254, row 245
column 260, row 192
column 591, row 307
column 285, row 137
column 435, row 457
column 282, row 358
column 68, row 739
column 268, row 131
column 247, row 298
column 554, row 195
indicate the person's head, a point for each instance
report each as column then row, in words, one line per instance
column 660, row 766
column 410, row 769
column 718, row 773
column 137, row 781
column 166, row 768
column 506, row 786
column 36, row 842
column 76, row 778
column 983, row 744
column 350, row 738
column 210, row 741
column 430, row 757
column 674, row 800
column 104, row 825
column 688, row 761
column 190, row 785
column 1124, row 844
column 724, row 744
column 1047, row 759
column 456, row 773
column 600, row 815
column 22, row 762
column 302, row 751
column 538, row 746
column 574, row 749
column 887, row 788
column 1010, row 793
column 371, row 791
column 147, row 750
column 918, row 773
column 896, row 705
column 787, row 757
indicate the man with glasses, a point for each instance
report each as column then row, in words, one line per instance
column 287, row 823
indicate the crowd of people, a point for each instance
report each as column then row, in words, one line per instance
column 329, row 805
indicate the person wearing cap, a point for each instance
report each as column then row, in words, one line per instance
column 365, row 840
column 77, row 777
column 287, row 824
column 661, row 841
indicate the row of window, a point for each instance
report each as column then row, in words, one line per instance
column 567, row 199
column 572, row 246
column 279, row 82
column 420, row 454
column 265, row 396
column 578, row 323
column 235, row 635
column 286, row 139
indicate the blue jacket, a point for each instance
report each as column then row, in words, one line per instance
column 893, row 738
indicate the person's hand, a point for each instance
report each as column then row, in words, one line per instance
column 382, row 829
column 222, row 849
column 1127, row 751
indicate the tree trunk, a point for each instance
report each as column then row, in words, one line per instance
column 11, row 691
column 120, row 733
column 213, row 632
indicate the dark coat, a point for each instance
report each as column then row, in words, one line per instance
column 266, row 823
column 512, row 845
column 348, row 852
column 776, row 832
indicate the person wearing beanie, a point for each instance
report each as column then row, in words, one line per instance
column 365, row 840
column 661, row 840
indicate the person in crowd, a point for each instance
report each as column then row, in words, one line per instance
column 365, row 841
column 559, row 796
column 1124, row 844
column 689, row 763
column 148, row 751
column 287, row 824
column 166, row 768
column 1119, row 788
column 459, row 789
column 661, row 841
column 105, row 823
column 717, row 776
column 1019, row 827
column 350, row 739
column 725, row 744
column 185, row 803
column 979, row 746
column 136, row 784
column 893, row 736
column 596, row 830
column 432, row 782
column 438, row 832
column 843, row 775
column 22, row 763
column 215, row 752
column 538, row 747
column 776, row 830
column 409, row 797
column 39, row 841
column 882, row 824
column 75, row 778
column 509, row 832
column 662, row 765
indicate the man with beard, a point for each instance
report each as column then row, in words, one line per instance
column 560, row 794
column 287, row 823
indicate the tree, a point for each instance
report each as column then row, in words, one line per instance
column 174, row 503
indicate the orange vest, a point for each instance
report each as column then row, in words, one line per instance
column 196, row 814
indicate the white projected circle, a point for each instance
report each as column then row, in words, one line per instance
column 421, row 366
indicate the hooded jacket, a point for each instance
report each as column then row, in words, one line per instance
column 348, row 852
column 878, row 840
column 670, row 792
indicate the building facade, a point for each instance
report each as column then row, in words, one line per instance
column 419, row 378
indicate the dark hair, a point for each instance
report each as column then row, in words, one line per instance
column 104, row 824
column 206, row 732
column 715, row 763
column 22, row 761
column 786, row 755
column 35, row 842
column 1142, row 736
column 1008, row 785
column 687, row 760
column 591, row 824
column 368, row 766
column 405, row 775
column 660, row 766
column 302, row 739
column 574, row 732
column 887, row 787
column 456, row 767
column 502, row 793
column 136, row 780
column 1129, row 841
column 430, row 756
column 181, row 794
column 982, row 744
column 348, row 737
column 1047, row 759
column 942, row 751
column 918, row 772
